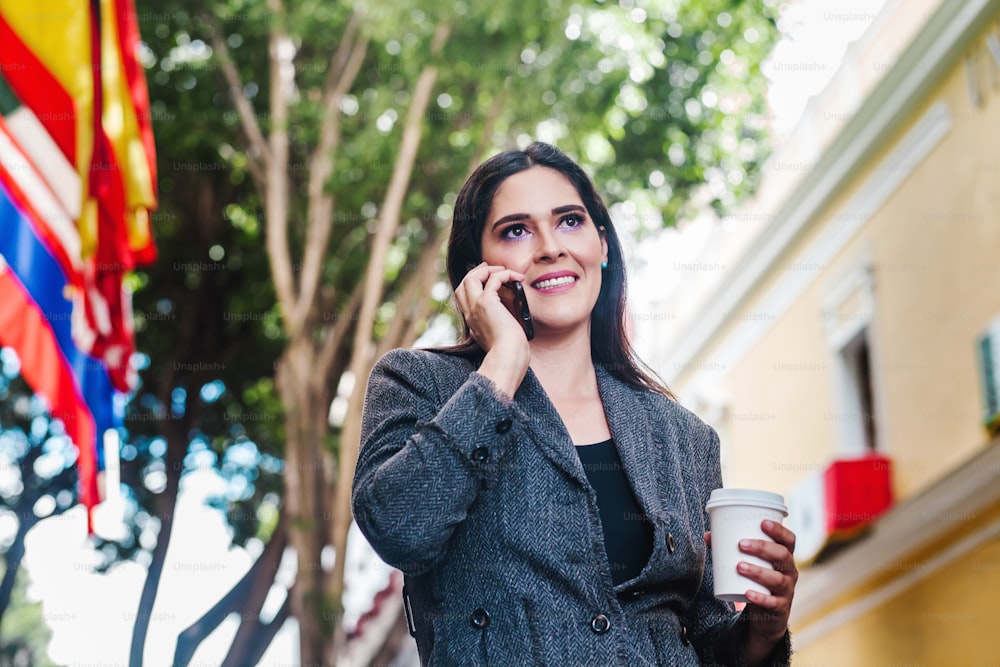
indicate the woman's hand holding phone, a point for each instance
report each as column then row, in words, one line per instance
column 493, row 326
column 516, row 301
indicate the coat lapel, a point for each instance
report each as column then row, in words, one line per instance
column 544, row 421
column 628, row 420
column 631, row 429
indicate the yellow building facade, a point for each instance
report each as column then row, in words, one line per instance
column 847, row 327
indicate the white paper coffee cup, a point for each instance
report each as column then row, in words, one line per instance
column 735, row 514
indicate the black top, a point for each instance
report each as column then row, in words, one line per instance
column 628, row 535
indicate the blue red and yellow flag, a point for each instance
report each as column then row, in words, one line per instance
column 76, row 209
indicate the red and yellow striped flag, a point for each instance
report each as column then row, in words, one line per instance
column 85, row 129
column 74, row 64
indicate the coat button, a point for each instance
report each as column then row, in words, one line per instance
column 600, row 624
column 480, row 618
column 504, row 425
column 684, row 635
column 480, row 454
column 670, row 542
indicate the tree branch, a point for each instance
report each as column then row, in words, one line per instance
column 266, row 566
column 243, row 106
column 486, row 140
column 267, row 633
column 335, row 335
column 282, row 52
column 402, row 329
column 256, row 594
column 414, row 295
column 420, row 314
column 338, row 63
column 361, row 357
column 174, row 433
column 344, row 68
column 392, row 206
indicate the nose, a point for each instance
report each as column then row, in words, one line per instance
column 549, row 246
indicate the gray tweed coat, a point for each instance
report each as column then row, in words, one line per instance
column 485, row 507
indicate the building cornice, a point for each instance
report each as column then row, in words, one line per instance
column 919, row 69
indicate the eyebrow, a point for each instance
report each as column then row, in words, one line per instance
column 558, row 210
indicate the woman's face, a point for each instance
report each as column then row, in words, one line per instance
column 539, row 226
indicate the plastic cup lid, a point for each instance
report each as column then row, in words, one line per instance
column 752, row 497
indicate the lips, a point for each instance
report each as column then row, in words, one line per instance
column 555, row 280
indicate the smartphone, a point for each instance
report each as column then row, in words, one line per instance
column 512, row 295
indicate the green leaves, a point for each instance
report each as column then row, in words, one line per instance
column 662, row 101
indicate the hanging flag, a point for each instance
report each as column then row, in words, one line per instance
column 51, row 242
column 76, row 210
column 35, row 320
column 127, row 122
column 46, row 52
column 74, row 64
column 24, row 327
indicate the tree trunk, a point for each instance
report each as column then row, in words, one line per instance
column 364, row 346
column 241, row 597
column 301, row 376
column 12, row 561
column 176, row 447
column 246, row 641
column 304, row 533
column 266, row 635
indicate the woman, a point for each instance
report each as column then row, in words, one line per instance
column 545, row 499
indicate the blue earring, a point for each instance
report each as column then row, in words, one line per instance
column 604, row 265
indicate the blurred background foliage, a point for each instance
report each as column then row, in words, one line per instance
column 663, row 102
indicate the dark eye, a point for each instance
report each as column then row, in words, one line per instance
column 514, row 232
column 572, row 220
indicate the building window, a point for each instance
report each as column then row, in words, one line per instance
column 848, row 315
column 855, row 360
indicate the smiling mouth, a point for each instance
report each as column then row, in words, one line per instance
column 554, row 282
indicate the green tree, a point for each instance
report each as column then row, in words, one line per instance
column 205, row 322
column 26, row 633
column 342, row 135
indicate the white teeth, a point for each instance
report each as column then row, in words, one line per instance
column 554, row 282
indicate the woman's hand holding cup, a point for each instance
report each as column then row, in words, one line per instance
column 747, row 523
column 769, row 612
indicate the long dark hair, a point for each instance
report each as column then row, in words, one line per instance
column 609, row 345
